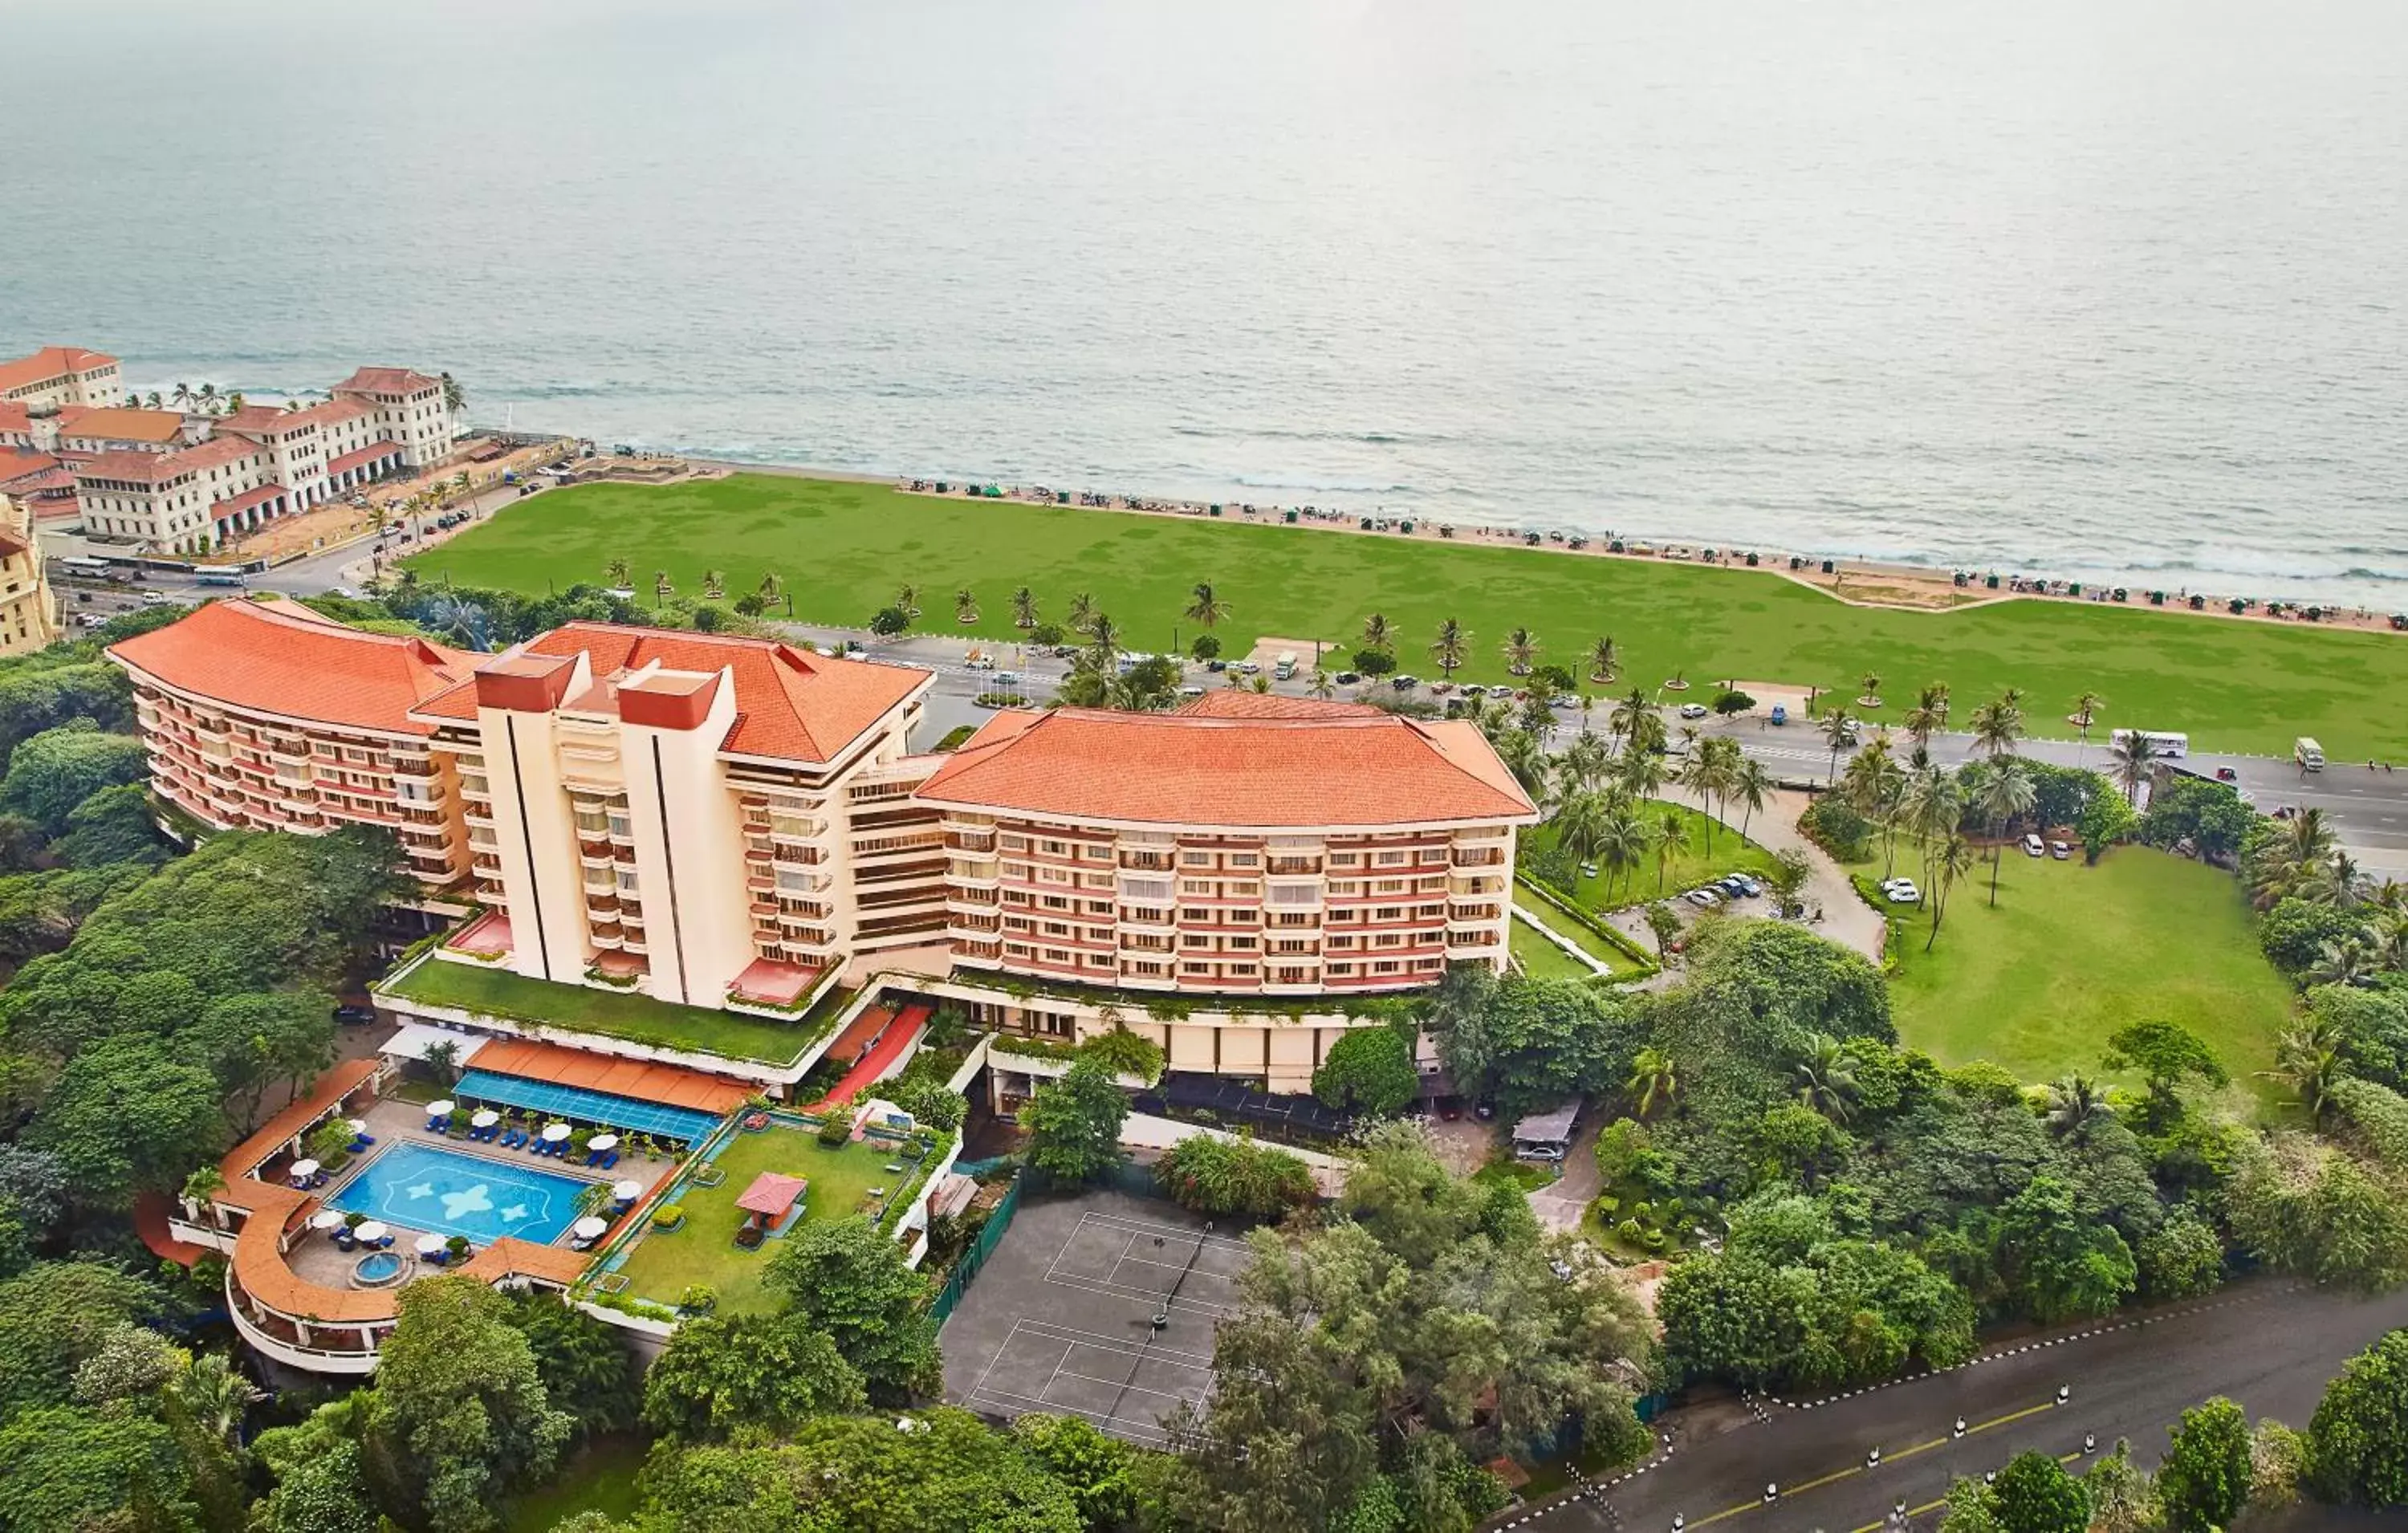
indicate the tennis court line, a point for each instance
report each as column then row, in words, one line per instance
column 1147, row 1226
column 1051, row 1332
column 1155, row 1297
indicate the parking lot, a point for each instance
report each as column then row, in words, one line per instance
column 1101, row 1306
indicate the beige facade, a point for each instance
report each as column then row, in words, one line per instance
column 57, row 375
column 29, row 615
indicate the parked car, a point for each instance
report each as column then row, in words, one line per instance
column 1693, row 710
column 1748, row 884
column 1191, row 692
column 1216, row 666
column 1405, row 683
column 2032, row 846
column 1347, row 679
column 2059, row 851
column 1780, row 713
column 1704, row 899
column 2226, row 774
column 156, row 598
column 1901, row 892
column 1247, row 667
column 355, row 1015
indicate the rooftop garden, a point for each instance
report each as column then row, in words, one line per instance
column 662, row 1263
column 638, row 1018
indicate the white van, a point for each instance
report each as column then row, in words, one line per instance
column 1283, row 668
column 2308, row 754
column 2034, row 847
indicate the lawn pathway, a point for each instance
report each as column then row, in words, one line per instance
column 1847, row 920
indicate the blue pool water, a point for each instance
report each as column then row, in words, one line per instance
column 579, row 1105
column 423, row 1187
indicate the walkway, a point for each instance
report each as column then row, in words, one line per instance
column 1560, row 1203
column 899, row 1036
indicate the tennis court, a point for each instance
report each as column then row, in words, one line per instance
column 1101, row 1306
column 579, row 1105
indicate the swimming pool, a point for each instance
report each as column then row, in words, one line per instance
column 426, row 1187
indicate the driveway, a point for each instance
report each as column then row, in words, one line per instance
column 1560, row 1203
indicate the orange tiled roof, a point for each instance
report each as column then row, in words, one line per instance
column 123, row 423
column 282, row 658
column 1238, row 703
column 333, row 410
column 15, row 465
column 49, row 362
column 790, row 705
column 15, row 415
column 386, row 380
column 1330, row 766
column 647, row 1083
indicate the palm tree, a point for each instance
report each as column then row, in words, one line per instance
column 454, row 396
column 715, row 583
column 1672, row 840
column 1526, row 759
column 183, row 397
column 1104, row 634
column 907, row 600
column 770, row 587
column 1641, row 773
column 2310, row 1062
column 1449, row 649
column 1871, row 697
column 2086, row 712
column 1580, row 823
column 233, row 403
column 1023, row 608
column 1082, row 612
column 1604, row 661
column 1323, row 687
column 2344, row 962
column 207, row 398
column 1838, row 731
column 618, row 572
column 1377, row 633
column 2005, row 795
column 1754, row 784
column 201, row 1190
column 1625, row 845
column 2075, row 1104
column 1826, row 1072
column 1583, row 764
column 1521, row 651
column 1997, row 726
column 1786, row 876
column 2335, row 882
column 150, row 400
column 1623, row 723
column 2131, row 760
column 1653, row 1080
column 661, row 587
column 216, row 1396
column 1208, row 608
column 965, row 605
column 1953, row 860
column 1928, row 714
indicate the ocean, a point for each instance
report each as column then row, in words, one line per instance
column 2095, row 290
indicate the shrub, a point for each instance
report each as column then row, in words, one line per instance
column 1374, row 662
column 1835, row 826
column 1208, row 1174
column 668, row 1216
column 1207, row 647
column 835, row 1128
column 889, row 621
column 1124, row 1052
column 1046, row 634
column 1369, row 1070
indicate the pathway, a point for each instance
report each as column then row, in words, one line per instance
column 1560, row 1203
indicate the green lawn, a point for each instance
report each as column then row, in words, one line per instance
column 704, row 1249
column 601, row 1477
column 1732, row 853
column 842, row 549
column 1542, row 960
column 614, row 1013
column 2072, row 953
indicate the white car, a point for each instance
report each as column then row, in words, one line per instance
column 1704, row 899
column 1693, row 710
column 2059, row 851
column 2033, row 847
column 1901, row 892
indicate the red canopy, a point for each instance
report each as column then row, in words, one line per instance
column 773, row 1194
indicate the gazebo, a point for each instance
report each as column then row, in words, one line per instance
column 771, row 1199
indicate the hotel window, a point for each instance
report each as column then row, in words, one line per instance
column 1243, row 859
column 1205, row 887
column 1196, row 859
column 795, row 878
column 1145, row 888
column 1052, row 848
column 627, row 881
column 621, row 824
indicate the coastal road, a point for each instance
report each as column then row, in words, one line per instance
column 2270, row 1344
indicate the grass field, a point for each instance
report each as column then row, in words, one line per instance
column 704, row 1249
column 1732, row 853
column 2074, row 953
column 842, row 549
column 615, row 1013
column 599, row 1477
column 1542, row 959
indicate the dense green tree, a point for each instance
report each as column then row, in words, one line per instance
column 845, row 1278
column 70, row 1468
column 1095, row 1468
column 254, row 1042
column 719, row 1375
column 1527, row 1043
column 57, row 770
column 2034, row 1494
column 2058, row 1263
column 2106, row 819
column 2358, row 1442
column 2166, row 1053
column 2294, row 933
column 33, row 699
column 2304, row 1206
column 1369, row 1070
column 2205, row 1479
column 459, row 1410
column 325, row 1493
column 55, row 1315
column 859, row 1474
column 127, row 1115
column 2182, row 1258
column 112, row 827
column 584, row 1362
column 1074, row 1123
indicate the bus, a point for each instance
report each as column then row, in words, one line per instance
column 220, row 577
column 2162, row 742
column 84, row 565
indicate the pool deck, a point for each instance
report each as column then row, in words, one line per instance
column 318, row 1259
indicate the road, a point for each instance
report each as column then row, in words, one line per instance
column 2270, row 1345
column 2368, row 807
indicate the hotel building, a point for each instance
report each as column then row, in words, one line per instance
column 29, row 617
column 62, row 375
column 736, row 823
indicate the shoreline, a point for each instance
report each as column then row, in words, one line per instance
column 1855, row 582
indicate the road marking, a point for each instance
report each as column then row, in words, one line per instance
column 1789, row 1493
